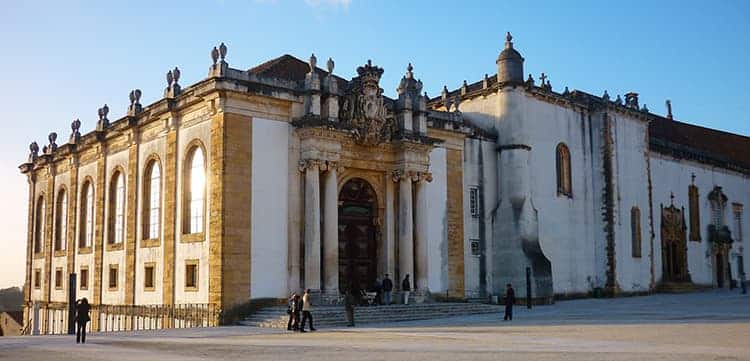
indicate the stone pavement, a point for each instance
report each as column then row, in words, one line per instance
column 703, row 326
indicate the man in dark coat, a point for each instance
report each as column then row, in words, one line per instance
column 82, row 318
column 350, row 300
column 387, row 290
column 510, row 298
column 406, row 289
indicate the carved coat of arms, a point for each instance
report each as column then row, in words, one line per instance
column 364, row 108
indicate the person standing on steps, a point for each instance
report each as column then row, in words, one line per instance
column 406, row 289
column 387, row 290
column 510, row 298
column 82, row 318
column 306, row 311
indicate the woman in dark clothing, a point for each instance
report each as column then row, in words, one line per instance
column 290, row 311
column 82, row 318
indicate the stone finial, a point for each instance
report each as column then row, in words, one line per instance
column 223, row 51
column 33, row 152
column 618, row 101
column 486, row 81
column 409, row 71
column 631, row 100
column 542, row 78
column 457, row 102
column 173, row 87
column 215, row 55
column 313, row 62
column 530, row 80
column 508, row 40
column 605, row 96
column 644, row 108
column 52, row 146
column 464, row 88
column 103, row 122
column 135, row 102
column 669, row 109
column 548, row 86
column 75, row 134
column 566, row 92
column 329, row 65
column 176, row 74
column 426, row 97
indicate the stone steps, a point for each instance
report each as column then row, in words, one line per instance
column 335, row 316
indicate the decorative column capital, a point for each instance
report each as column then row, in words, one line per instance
column 330, row 165
column 308, row 164
column 400, row 174
column 424, row 177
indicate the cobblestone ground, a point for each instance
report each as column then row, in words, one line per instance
column 702, row 326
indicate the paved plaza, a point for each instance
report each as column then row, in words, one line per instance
column 702, row 326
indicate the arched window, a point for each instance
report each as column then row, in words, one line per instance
column 564, row 185
column 39, row 224
column 194, row 191
column 86, row 228
column 152, row 201
column 61, row 220
column 117, row 208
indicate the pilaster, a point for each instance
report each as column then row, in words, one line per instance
column 405, row 226
column 422, row 273
column 170, row 217
column 312, row 223
column 72, row 208
column 330, row 230
column 48, row 231
column 454, row 161
column 31, row 180
column 230, row 209
column 132, row 203
column 99, row 192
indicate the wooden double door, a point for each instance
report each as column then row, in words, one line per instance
column 357, row 242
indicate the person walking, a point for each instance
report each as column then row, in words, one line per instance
column 406, row 289
column 387, row 290
column 306, row 311
column 82, row 318
column 350, row 300
column 296, row 311
column 290, row 311
column 510, row 298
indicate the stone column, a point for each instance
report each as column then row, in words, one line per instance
column 330, row 231
column 389, row 241
column 312, row 224
column 421, row 232
column 405, row 229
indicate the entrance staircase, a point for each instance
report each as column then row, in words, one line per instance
column 335, row 316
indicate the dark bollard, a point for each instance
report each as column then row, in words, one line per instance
column 528, row 287
column 72, row 304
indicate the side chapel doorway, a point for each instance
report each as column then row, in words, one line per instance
column 673, row 245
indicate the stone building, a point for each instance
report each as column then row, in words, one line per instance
column 252, row 183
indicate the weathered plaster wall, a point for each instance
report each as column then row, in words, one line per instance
column 270, row 170
column 437, row 238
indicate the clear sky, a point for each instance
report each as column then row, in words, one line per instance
column 64, row 59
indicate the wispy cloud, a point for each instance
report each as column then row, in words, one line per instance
column 333, row 3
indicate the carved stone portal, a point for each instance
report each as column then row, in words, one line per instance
column 674, row 245
column 364, row 107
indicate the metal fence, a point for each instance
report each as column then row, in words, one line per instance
column 52, row 318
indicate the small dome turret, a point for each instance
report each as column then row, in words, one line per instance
column 509, row 63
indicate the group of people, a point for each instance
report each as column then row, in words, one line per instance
column 384, row 290
column 300, row 305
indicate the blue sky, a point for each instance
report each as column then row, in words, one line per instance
column 63, row 60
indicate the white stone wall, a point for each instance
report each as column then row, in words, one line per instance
column 631, row 189
column 673, row 176
column 269, row 208
column 192, row 250
column 437, row 236
column 153, row 255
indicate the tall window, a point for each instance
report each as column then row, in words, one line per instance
column 39, row 225
column 195, row 191
column 695, row 223
column 86, row 230
column 117, row 208
column 564, row 185
column 61, row 220
column 737, row 210
column 474, row 201
column 635, row 231
column 152, row 201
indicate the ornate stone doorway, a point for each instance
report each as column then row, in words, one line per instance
column 673, row 245
column 357, row 235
